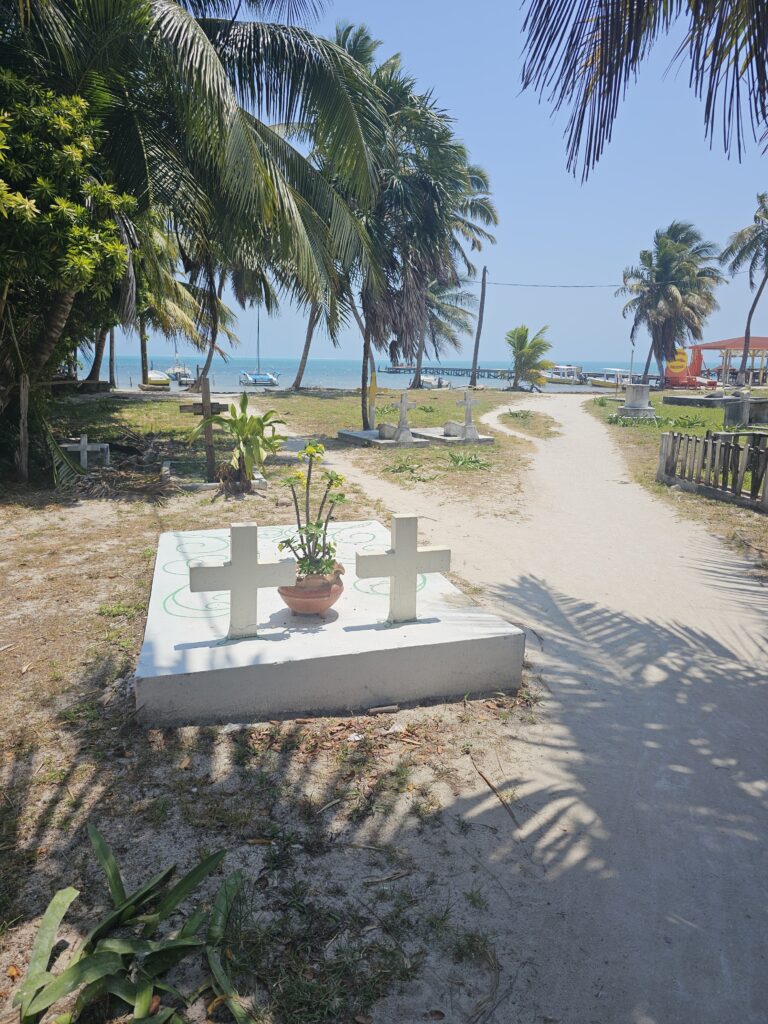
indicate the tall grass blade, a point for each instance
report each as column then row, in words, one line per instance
column 107, row 860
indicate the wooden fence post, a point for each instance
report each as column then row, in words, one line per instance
column 24, row 428
column 662, row 466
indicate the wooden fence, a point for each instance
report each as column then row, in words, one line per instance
column 728, row 466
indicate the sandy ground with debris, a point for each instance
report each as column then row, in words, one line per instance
column 641, row 798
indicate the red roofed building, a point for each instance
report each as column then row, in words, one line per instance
column 690, row 366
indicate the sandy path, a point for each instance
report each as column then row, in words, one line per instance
column 642, row 795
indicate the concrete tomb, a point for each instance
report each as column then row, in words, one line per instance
column 200, row 662
column 243, row 576
column 403, row 565
column 457, row 433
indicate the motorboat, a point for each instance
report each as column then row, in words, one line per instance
column 179, row 372
column 611, row 377
column 156, row 381
column 429, row 382
column 564, row 373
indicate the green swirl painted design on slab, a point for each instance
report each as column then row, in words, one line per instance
column 379, row 587
column 214, row 604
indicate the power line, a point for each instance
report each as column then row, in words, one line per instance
column 522, row 284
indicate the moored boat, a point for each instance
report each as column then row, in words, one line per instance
column 564, row 373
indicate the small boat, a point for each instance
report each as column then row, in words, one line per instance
column 179, row 371
column 156, row 381
column 429, row 382
column 611, row 377
column 259, row 379
column 565, row 373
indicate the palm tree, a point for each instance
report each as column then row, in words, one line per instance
column 671, row 291
column 750, row 246
column 184, row 94
column 449, row 316
column 584, row 54
column 528, row 355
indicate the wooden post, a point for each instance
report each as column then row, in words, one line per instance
column 478, row 332
column 662, row 466
column 210, row 454
column 738, row 483
column 701, row 447
column 24, row 428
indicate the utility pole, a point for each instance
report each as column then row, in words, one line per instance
column 478, row 332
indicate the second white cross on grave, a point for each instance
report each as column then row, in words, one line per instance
column 403, row 564
column 243, row 576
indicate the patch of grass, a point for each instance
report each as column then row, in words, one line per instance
column 476, row 899
column 309, row 961
column 536, row 424
column 467, row 461
column 121, row 610
column 473, row 947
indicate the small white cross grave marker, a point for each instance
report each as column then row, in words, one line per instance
column 403, row 432
column 243, row 576
column 470, row 430
column 403, row 564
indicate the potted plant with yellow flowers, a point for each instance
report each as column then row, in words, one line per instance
column 318, row 579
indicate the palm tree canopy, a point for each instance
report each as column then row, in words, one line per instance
column 749, row 246
column 528, row 353
column 671, row 290
column 583, row 54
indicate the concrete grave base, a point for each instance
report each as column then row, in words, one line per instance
column 371, row 439
column 435, row 435
column 190, row 674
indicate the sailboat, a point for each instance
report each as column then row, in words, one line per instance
column 257, row 377
column 179, row 371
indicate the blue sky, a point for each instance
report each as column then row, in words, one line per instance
column 553, row 229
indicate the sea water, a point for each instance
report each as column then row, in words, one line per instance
column 319, row 373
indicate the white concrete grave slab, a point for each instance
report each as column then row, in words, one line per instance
column 190, row 672
column 373, row 439
column 456, row 433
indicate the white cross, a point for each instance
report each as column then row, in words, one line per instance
column 403, row 432
column 470, row 430
column 403, row 564
column 243, row 575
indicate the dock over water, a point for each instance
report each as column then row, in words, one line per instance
column 483, row 372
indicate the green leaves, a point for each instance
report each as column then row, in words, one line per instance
column 107, row 860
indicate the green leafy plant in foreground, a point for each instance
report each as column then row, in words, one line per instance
column 314, row 552
column 467, row 460
column 122, row 958
column 255, row 438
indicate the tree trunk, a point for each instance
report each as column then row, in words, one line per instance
column 647, row 367
column 212, row 344
column 143, row 348
column 364, row 379
column 98, row 356
column 416, row 382
column 23, row 465
column 112, row 375
column 314, row 316
column 53, row 327
column 478, row 332
column 741, row 376
column 660, row 364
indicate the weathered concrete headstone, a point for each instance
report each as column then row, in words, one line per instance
column 403, row 564
column 469, row 432
column 403, row 432
column 243, row 576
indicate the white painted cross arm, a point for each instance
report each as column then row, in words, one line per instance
column 403, row 564
column 243, row 576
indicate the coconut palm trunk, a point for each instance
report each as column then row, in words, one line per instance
column 647, row 367
column 53, row 327
column 197, row 386
column 416, row 382
column 314, row 316
column 98, row 356
column 741, row 376
column 143, row 350
column 112, row 374
column 364, row 379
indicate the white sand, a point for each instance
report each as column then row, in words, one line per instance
column 642, row 796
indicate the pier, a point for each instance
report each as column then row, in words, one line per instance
column 483, row 372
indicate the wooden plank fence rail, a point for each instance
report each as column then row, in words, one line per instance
column 730, row 467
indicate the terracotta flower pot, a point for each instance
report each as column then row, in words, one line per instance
column 314, row 595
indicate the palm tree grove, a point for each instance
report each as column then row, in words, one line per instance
column 383, row 512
